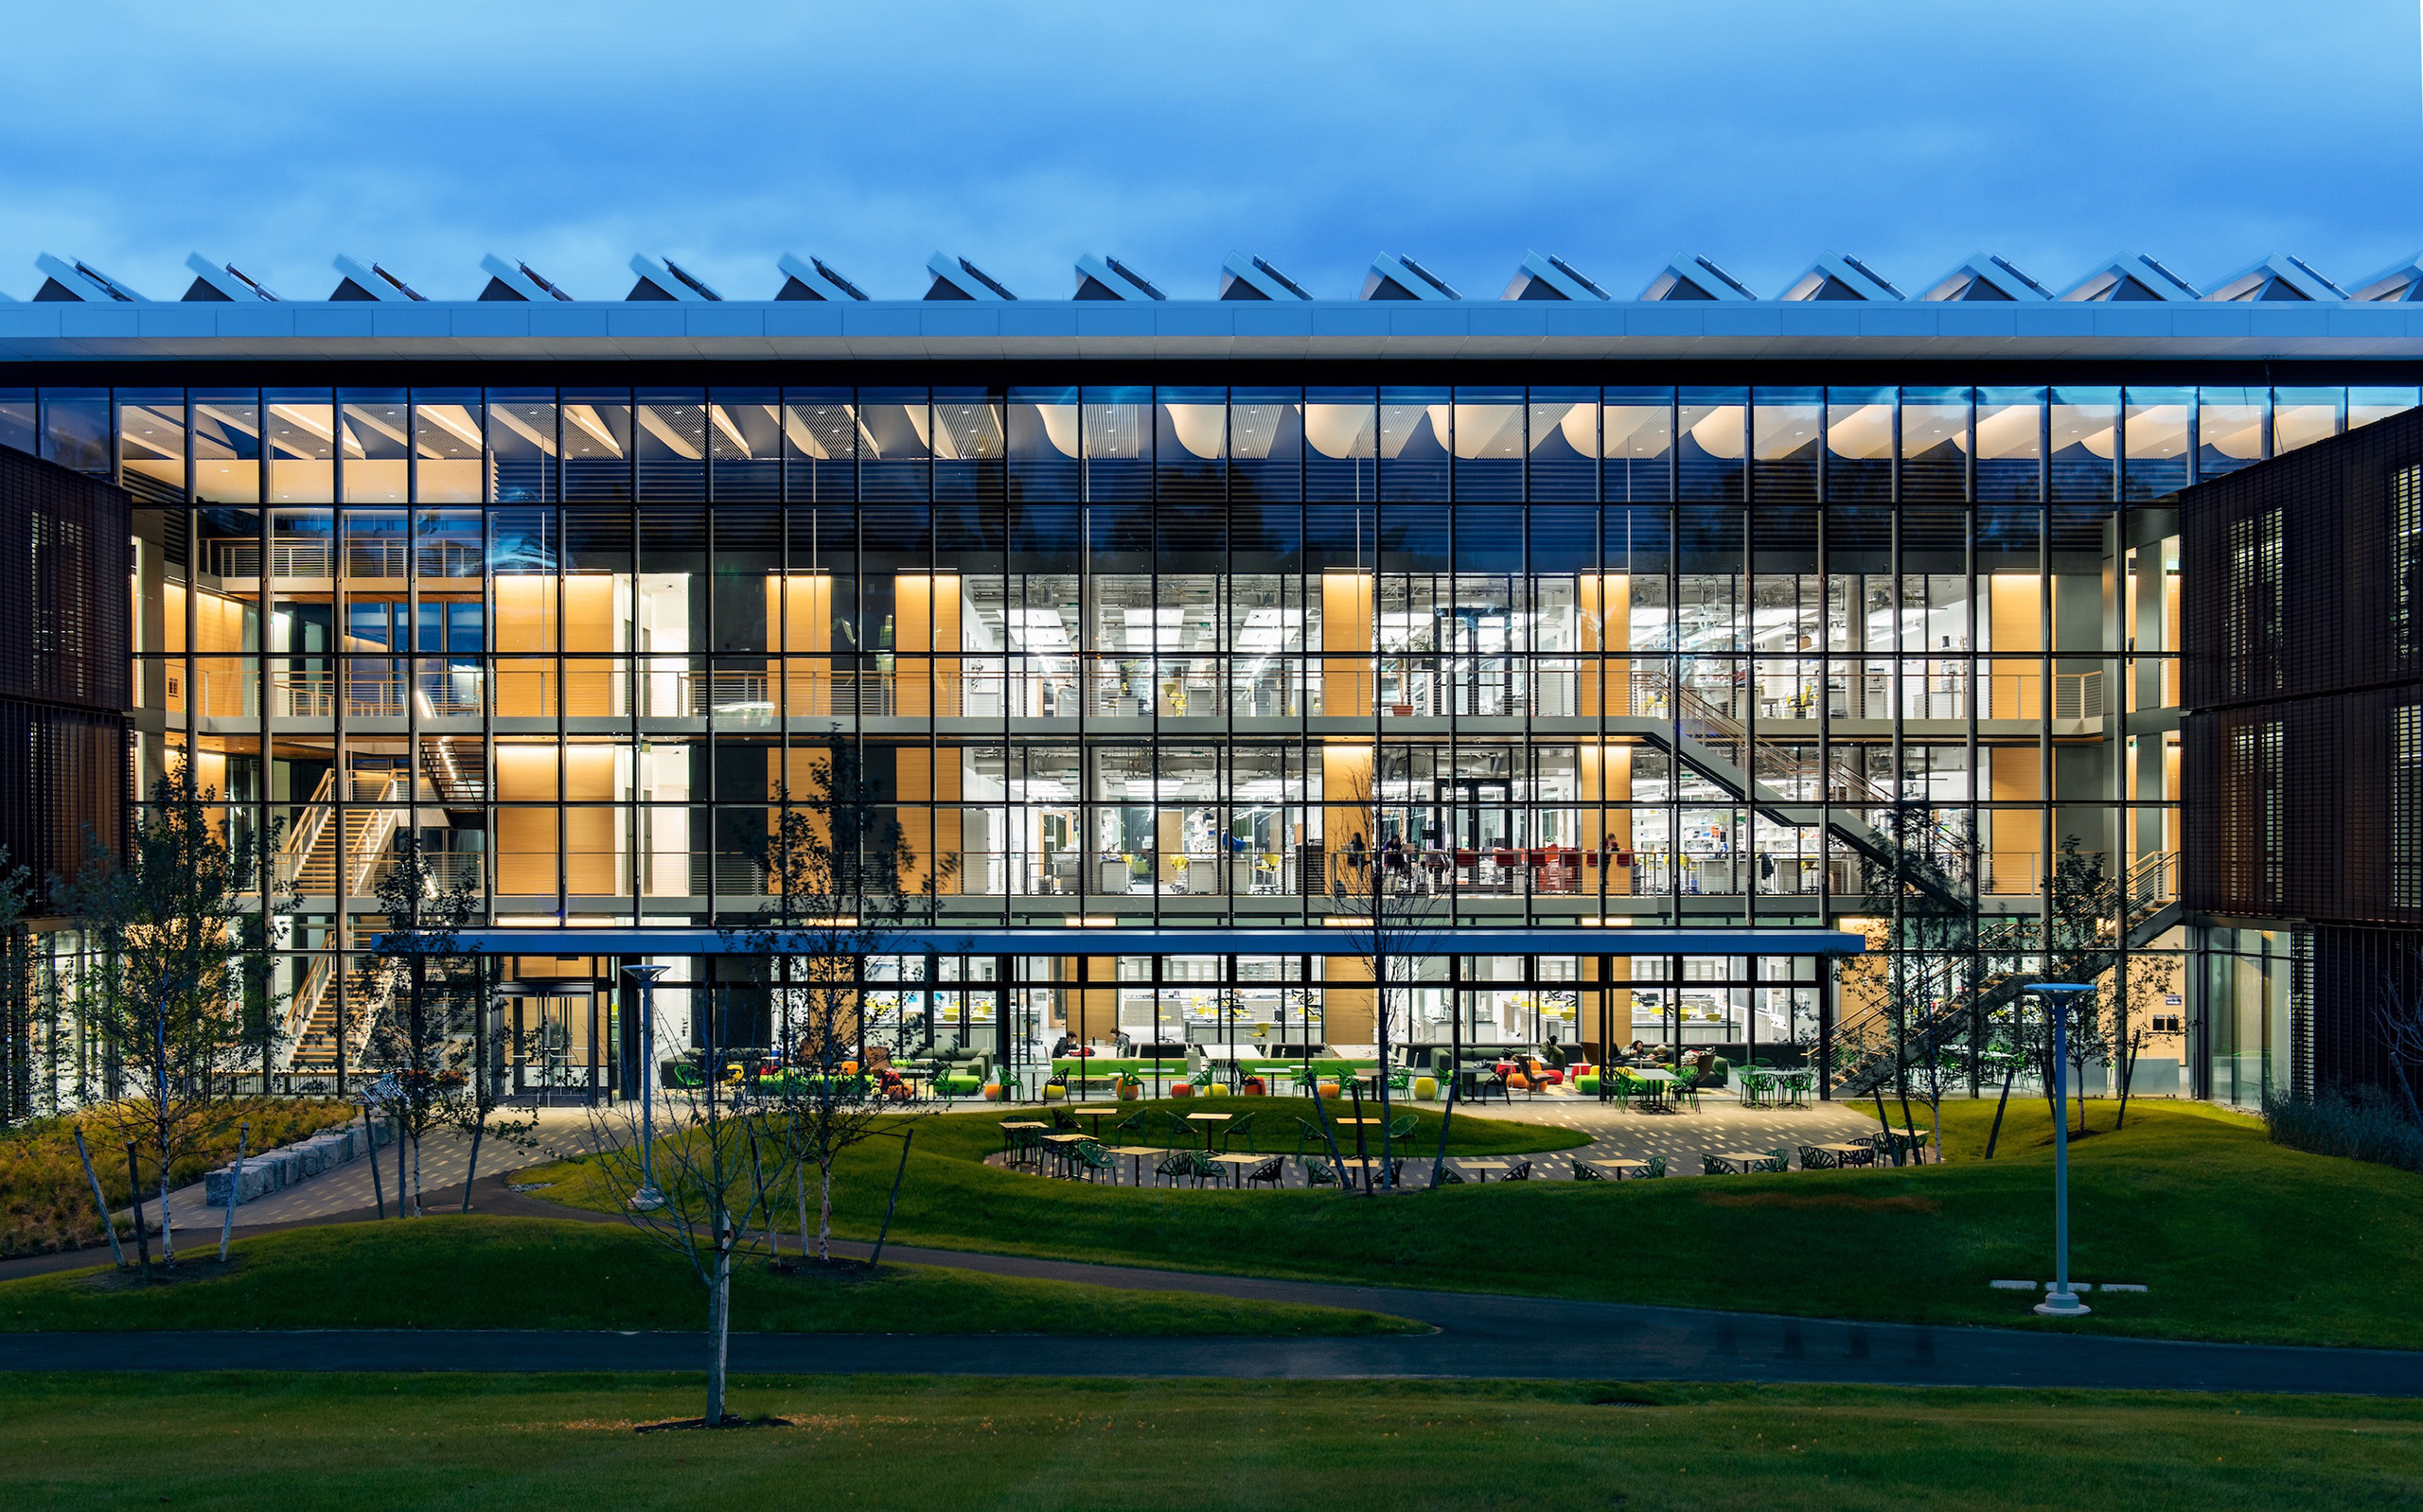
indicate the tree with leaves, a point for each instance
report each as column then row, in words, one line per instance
column 21, row 999
column 175, row 941
column 841, row 879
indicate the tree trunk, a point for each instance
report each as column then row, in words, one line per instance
column 473, row 1173
column 109, row 1224
column 370, row 1134
column 416, row 1208
column 718, row 1321
column 824, row 1206
column 2011, row 1074
column 167, row 1227
column 403, row 1204
column 1885, row 1123
column 798, row 1190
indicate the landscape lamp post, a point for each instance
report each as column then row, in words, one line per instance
column 2061, row 1302
column 648, row 1196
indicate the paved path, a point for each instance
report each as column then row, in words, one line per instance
column 1488, row 1338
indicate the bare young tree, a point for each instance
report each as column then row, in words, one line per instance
column 711, row 1163
column 1396, row 915
column 2397, row 1020
column 177, row 943
column 841, row 879
column 441, row 1068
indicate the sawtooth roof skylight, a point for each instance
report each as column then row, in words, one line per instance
column 1544, row 277
column 2131, row 277
column 1396, row 278
column 1691, row 276
column 1837, row 275
column 2400, row 282
column 1982, row 275
column 814, row 279
column 517, row 281
column 358, row 281
column 1247, row 278
column 665, row 281
column 958, row 278
column 2276, row 279
column 1106, row 277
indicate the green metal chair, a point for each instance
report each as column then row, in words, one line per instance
column 1813, row 1158
column 1093, row 1160
column 1178, row 1165
column 1403, row 1126
column 1656, row 1169
column 1779, row 1160
column 1318, row 1174
column 1716, row 1166
column 1236, row 1129
column 1309, row 1133
column 1583, row 1171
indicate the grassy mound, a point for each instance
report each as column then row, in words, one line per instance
column 2237, row 1238
column 457, row 1272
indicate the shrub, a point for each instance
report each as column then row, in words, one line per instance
column 2366, row 1126
column 45, row 1204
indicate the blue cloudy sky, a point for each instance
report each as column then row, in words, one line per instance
column 1020, row 134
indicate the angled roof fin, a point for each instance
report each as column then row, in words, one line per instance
column 1693, row 277
column 1396, row 278
column 1982, row 275
column 663, row 281
column 1248, row 277
column 2130, row 277
column 76, row 283
column 2398, row 282
column 958, row 278
column 358, row 282
column 1840, row 276
column 812, row 280
column 1106, row 277
column 2276, row 279
column 1541, row 277
column 516, row 281
column 221, row 285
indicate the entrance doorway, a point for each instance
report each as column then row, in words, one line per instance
column 559, row 1043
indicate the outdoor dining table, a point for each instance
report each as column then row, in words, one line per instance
column 1622, row 1168
column 1136, row 1154
column 1236, row 1164
column 1745, row 1162
column 1484, row 1167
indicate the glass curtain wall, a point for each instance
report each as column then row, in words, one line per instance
column 1531, row 653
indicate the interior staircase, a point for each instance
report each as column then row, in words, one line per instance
column 2142, row 906
column 1718, row 746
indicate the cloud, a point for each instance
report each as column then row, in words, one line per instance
column 1019, row 137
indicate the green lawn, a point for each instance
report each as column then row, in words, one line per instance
column 493, row 1272
column 2238, row 1238
column 935, row 1444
